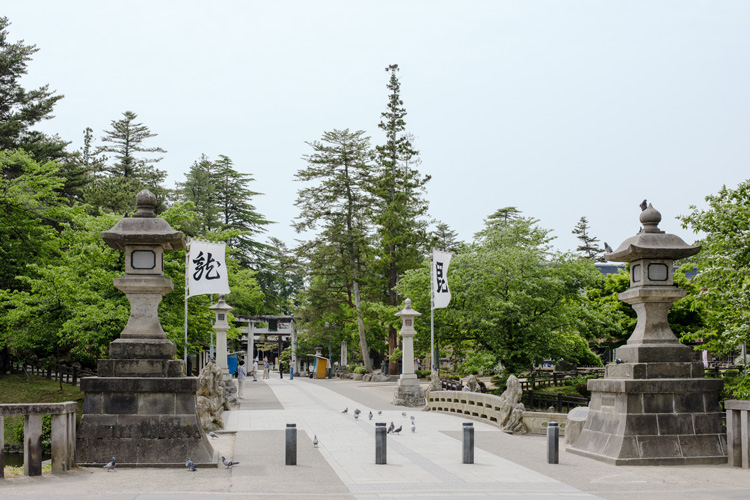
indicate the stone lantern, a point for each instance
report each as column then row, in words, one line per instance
column 221, row 325
column 653, row 406
column 408, row 391
column 141, row 409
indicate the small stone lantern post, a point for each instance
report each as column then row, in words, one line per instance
column 653, row 406
column 221, row 325
column 408, row 391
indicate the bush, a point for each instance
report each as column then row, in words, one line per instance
column 360, row 370
column 423, row 373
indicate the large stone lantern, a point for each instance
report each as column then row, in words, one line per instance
column 408, row 391
column 140, row 408
column 653, row 406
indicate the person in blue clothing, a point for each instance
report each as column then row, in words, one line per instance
column 241, row 376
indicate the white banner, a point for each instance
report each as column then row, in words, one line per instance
column 440, row 292
column 206, row 268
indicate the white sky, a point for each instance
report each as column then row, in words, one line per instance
column 561, row 108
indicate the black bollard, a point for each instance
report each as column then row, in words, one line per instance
column 291, row 444
column 468, row 443
column 553, row 443
column 381, row 444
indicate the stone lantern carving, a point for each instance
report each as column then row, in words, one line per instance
column 653, row 407
column 141, row 408
column 408, row 391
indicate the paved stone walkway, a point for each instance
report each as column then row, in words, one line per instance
column 424, row 464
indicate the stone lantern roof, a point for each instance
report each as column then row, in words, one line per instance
column 144, row 228
column 651, row 242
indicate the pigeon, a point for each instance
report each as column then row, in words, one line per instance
column 357, row 411
column 110, row 465
column 370, row 416
column 607, row 248
column 396, row 431
column 315, row 441
column 412, row 418
column 644, row 205
column 192, row 467
column 403, row 414
column 228, row 463
column 346, row 410
column 189, row 463
column 213, row 435
column 618, row 361
column 413, row 426
column 380, row 412
column 356, row 416
column 390, row 428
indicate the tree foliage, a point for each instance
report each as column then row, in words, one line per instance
column 589, row 247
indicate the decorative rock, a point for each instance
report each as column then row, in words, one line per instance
column 510, row 418
column 212, row 398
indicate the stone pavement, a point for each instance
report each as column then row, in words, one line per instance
column 424, row 464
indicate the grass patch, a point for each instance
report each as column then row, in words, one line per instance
column 18, row 388
column 565, row 390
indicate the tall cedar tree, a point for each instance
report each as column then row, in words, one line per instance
column 199, row 188
column 589, row 246
column 338, row 204
column 401, row 207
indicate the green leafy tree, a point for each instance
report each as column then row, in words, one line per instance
column 124, row 141
column 401, row 206
column 281, row 277
column 338, row 203
column 199, row 189
column 723, row 270
column 512, row 296
column 589, row 247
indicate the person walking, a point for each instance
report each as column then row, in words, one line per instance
column 266, row 369
column 241, row 376
column 255, row 369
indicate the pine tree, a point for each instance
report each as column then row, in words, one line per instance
column 126, row 139
column 338, row 204
column 444, row 238
column 21, row 109
column 401, row 208
column 589, row 246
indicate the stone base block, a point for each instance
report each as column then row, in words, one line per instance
column 141, row 422
column 653, row 422
column 140, row 368
column 142, row 349
column 409, row 393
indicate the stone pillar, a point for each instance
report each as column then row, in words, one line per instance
column 32, row 445
column 60, row 443
column 408, row 391
column 653, row 406
column 344, row 355
column 221, row 325
column 250, row 341
column 141, row 409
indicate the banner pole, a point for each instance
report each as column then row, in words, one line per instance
column 432, row 316
column 187, row 266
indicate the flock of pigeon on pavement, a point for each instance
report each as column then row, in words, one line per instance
column 190, row 465
column 391, row 428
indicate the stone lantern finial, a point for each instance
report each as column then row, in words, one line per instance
column 145, row 202
column 650, row 218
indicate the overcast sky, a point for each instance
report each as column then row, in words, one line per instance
column 560, row 108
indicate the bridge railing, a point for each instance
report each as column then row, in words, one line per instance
column 63, row 435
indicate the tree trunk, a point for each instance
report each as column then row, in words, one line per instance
column 361, row 327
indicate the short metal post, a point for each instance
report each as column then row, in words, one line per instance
column 381, row 444
column 291, row 444
column 468, row 443
column 553, row 443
